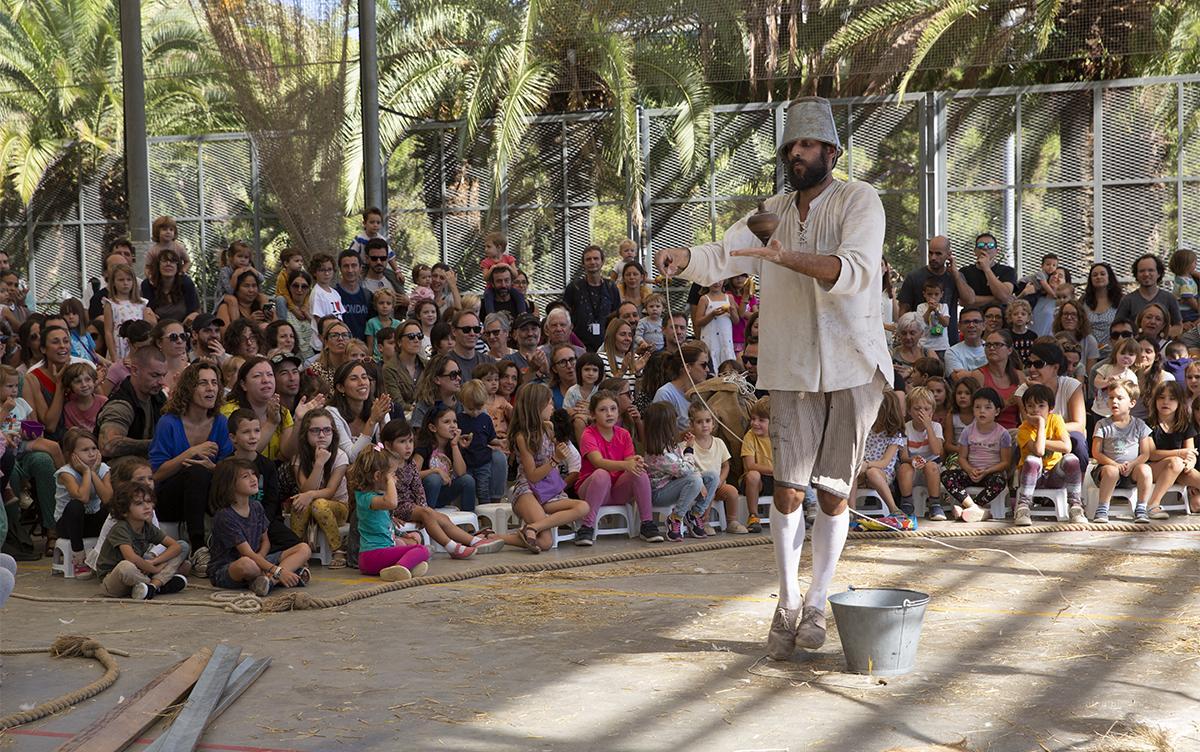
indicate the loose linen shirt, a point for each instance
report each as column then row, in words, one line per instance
column 830, row 337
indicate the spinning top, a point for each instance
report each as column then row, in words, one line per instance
column 763, row 223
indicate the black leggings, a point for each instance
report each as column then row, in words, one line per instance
column 184, row 498
column 76, row 523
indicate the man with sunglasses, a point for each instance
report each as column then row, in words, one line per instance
column 991, row 281
column 465, row 330
column 500, row 295
column 379, row 275
column 749, row 358
column 967, row 355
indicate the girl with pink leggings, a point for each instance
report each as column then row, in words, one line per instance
column 373, row 478
column 611, row 474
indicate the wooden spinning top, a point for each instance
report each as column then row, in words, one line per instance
column 763, row 223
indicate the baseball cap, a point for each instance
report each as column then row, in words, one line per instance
column 525, row 319
column 285, row 357
column 205, row 320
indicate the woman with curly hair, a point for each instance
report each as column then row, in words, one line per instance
column 189, row 439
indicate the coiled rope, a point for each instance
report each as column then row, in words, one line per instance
column 67, row 646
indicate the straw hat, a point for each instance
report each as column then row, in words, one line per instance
column 809, row 117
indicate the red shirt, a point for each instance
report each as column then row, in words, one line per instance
column 618, row 448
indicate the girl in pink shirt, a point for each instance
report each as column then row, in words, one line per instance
column 611, row 473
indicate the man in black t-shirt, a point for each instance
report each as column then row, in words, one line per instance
column 992, row 282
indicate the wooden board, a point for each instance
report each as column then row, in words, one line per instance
column 187, row 727
column 240, row 680
column 125, row 723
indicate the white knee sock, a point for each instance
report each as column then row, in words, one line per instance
column 787, row 531
column 828, row 539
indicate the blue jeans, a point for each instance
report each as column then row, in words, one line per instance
column 684, row 494
column 712, row 481
column 438, row 493
column 499, row 475
column 483, row 479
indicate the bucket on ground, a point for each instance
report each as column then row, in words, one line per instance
column 879, row 628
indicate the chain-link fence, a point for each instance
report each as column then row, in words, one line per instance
column 1105, row 171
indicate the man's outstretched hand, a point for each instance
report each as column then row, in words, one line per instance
column 671, row 261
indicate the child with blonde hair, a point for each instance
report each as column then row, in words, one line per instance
column 1121, row 448
column 921, row 453
column 1119, row 367
column 881, row 450
column 758, row 461
column 712, row 456
column 384, row 301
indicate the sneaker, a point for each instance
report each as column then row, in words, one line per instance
column 650, row 532
column 83, row 571
column 261, row 586
column 753, row 525
column 736, row 528
column 490, row 546
column 420, row 569
column 910, row 509
column 695, row 526
column 585, row 536
column 1077, row 516
column 465, row 552
column 177, row 583
column 200, row 561
column 936, row 514
column 1101, row 517
column 142, row 591
column 781, row 640
column 1022, row 518
column 810, row 633
column 674, row 529
column 1158, row 513
column 395, row 573
column 709, row 531
column 1140, row 516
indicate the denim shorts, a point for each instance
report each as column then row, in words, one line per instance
column 220, row 577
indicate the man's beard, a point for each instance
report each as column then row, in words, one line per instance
column 814, row 174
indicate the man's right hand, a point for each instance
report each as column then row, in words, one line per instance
column 671, row 261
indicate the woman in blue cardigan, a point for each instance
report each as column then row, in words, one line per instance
column 189, row 439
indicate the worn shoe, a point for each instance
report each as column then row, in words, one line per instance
column 395, row 573
column 695, row 526
column 200, row 561
column 420, row 569
column 83, row 571
column 810, row 633
column 338, row 560
column 1022, row 518
column 1101, row 516
column 465, row 552
column 490, row 546
column 736, row 528
column 753, row 525
column 585, row 536
column 650, row 532
column 674, row 529
column 781, row 640
column 174, row 585
column 142, row 591
column 1141, row 517
column 936, row 514
column 261, row 586
column 1077, row 517
column 1158, row 513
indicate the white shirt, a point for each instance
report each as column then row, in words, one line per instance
column 831, row 336
column 323, row 303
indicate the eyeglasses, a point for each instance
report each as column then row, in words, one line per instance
column 470, row 329
column 452, row 375
column 316, row 431
column 177, row 337
column 412, row 336
column 1036, row 363
column 565, row 362
column 750, row 360
column 995, row 344
column 969, row 322
column 1119, row 335
column 338, row 335
column 493, row 332
column 986, row 246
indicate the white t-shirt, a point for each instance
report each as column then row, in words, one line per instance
column 322, row 303
column 712, row 458
column 941, row 340
column 918, row 441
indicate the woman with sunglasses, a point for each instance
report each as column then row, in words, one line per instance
column 401, row 373
column 170, row 337
column 292, row 307
column 1101, row 296
column 1045, row 366
column 171, row 293
column 496, row 327
column 335, row 352
column 439, row 382
column 562, row 373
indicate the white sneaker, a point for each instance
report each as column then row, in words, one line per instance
column 781, row 640
column 1022, row 518
column 1077, row 516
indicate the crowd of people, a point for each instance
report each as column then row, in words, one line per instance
column 349, row 395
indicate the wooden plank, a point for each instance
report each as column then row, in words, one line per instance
column 119, row 728
column 185, row 731
column 239, row 681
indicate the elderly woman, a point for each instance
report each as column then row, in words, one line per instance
column 1152, row 323
column 496, row 328
column 909, row 331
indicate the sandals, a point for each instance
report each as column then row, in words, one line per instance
column 529, row 536
column 1157, row 513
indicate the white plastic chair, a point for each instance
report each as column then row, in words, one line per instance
column 1057, row 496
column 322, row 550
column 625, row 512
column 1091, row 495
column 999, row 507
column 63, row 560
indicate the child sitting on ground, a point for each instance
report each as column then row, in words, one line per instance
column 881, row 451
column 239, row 548
column 984, row 458
column 478, row 437
column 1046, row 456
column 921, row 453
column 675, row 479
column 373, row 478
column 712, row 456
column 81, row 487
column 245, row 433
column 1121, row 449
column 758, row 462
column 136, row 558
column 397, row 438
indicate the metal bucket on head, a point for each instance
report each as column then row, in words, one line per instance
column 879, row 628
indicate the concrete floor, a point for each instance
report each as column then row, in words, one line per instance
column 667, row 653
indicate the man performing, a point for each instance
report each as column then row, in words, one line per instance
column 823, row 356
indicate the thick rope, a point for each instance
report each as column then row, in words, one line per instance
column 295, row 599
column 67, row 646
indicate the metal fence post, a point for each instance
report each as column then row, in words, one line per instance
column 1097, row 173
